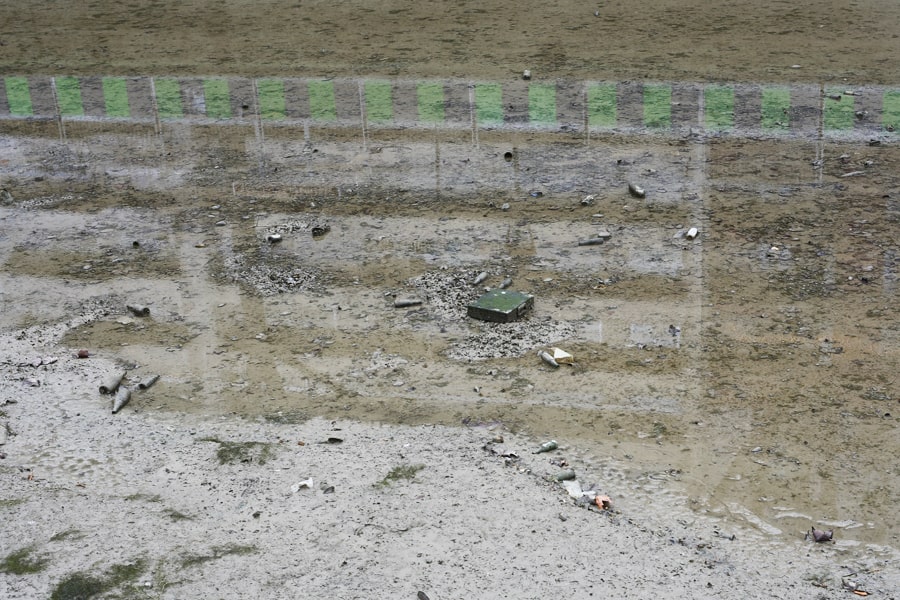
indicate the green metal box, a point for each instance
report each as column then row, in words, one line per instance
column 501, row 306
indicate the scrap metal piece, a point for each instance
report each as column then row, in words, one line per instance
column 501, row 306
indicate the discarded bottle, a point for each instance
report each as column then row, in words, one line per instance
column 592, row 241
column 146, row 383
column 636, row 191
column 481, row 277
column 547, row 358
column 505, row 283
column 546, row 447
column 404, row 302
column 566, row 475
column 691, row 233
column 123, row 395
column 138, row 310
column 112, row 384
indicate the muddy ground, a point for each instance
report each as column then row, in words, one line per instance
column 729, row 392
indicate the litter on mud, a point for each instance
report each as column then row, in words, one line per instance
column 546, row 447
column 561, row 356
column 548, row 358
column 138, row 310
column 123, row 395
column 112, row 384
column 501, row 306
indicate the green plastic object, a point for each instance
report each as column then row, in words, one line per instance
column 501, row 306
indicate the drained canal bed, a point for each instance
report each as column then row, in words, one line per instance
column 744, row 372
column 299, row 202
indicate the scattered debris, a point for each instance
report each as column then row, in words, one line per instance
column 480, row 277
column 405, row 302
column 273, row 238
column 548, row 358
column 587, row 200
column 853, row 174
column 306, row 484
column 112, row 384
column 594, row 241
column 546, row 447
column 138, row 310
column 500, row 306
column 819, row 535
column 562, row 357
column 147, row 382
column 567, row 475
column 505, row 283
column 636, row 191
column 83, row 353
column 603, row 502
column 320, row 229
column 691, row 233
column 123, row 395
column 526, row 74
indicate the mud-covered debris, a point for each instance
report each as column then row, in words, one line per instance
column 594, row 241
column 603, row 502
column 546, row 447
column 138, row 310
column 587, row 200
column 306, row 484
column 526, row 74
column 83, row 353
column 147, row 382
column 320, row 229
column 112, row 383
column 123, row 395
column 567, row 475
column 273, row 238
column 820, row 535
column 548, row 358
column 500, row 306
column 561, row 356
column 406, row 302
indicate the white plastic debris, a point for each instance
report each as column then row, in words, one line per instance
column 300, row 485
